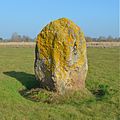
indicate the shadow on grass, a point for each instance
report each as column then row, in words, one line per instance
column 32, row 86
column 34, row 89
column 102, row 92
column 28, row 80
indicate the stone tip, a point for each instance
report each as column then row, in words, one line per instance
column 64, row 18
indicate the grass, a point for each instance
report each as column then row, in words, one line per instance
column 17, row 74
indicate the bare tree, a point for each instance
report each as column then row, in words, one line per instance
column 15, row 37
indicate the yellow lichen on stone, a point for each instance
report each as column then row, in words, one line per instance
column 62, row 52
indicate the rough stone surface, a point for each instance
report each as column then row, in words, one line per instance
column 60, row 56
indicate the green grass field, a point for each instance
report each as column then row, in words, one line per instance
column 17, row 73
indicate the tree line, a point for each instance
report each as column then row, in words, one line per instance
column 103, row 39
column 18, row 38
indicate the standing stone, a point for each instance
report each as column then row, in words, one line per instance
column 60, row 56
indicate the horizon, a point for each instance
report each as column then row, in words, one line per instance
column 98, row 37
column 95, row 18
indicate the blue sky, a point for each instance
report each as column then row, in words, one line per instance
column 27, row 17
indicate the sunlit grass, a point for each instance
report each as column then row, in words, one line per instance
column 101, row 103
